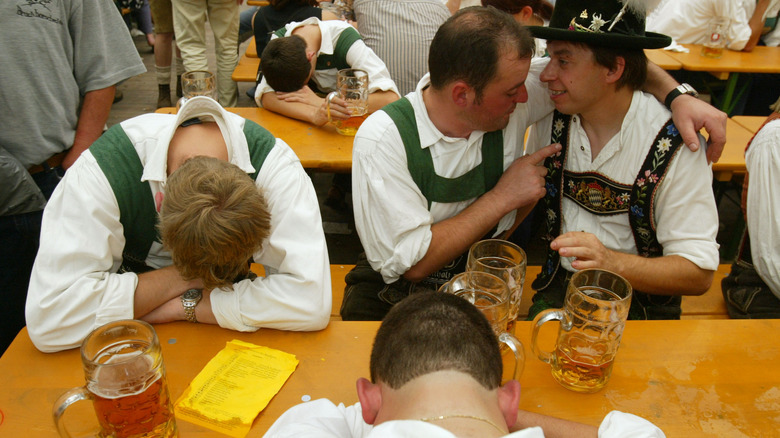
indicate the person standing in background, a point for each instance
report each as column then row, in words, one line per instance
column 162, row 14
column 54, row 104
column 527, row 13
column 189, row 23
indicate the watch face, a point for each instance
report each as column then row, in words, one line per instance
column 192, row 294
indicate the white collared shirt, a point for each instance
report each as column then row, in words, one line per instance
column 75, row 286
column 686, row 217
column 763, row 166
column 359, row 56
column 391, row 214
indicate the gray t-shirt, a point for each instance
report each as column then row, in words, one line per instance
column 51, row 53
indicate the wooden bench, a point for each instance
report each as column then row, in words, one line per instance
column 710, row 305
column 246, row 69
column 251, row 49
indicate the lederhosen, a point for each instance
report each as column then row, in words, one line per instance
column 338, row 60
column 119, row 161
column 600, row 195
column 435, row 188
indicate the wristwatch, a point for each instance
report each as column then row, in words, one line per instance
column 189, row 300
column 680, row 89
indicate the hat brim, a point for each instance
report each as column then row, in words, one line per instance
column 651, row 40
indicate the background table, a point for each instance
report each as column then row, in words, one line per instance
column 761, row 60
column 691, row 378
column 319, row 148
column 661, row 58
column 751, row 123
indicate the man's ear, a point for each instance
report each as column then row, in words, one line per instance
column 310, row 54
column 509, row 401
column 616, row 73
column 525, row 14
column 370, row 397
column 462, row 94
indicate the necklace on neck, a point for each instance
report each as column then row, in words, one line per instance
column 468, row 417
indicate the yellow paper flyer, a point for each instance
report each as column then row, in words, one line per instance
column 234, row 387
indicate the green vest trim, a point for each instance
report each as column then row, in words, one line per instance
column 119, row 161
column 435, row 188
column 338, row 59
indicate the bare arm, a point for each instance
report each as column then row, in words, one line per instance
column 157, row 287
column 378, row 99
column 553, row 427
column 756, row 24
column 520, row 185
column 667, row 275
column 294, row 109
column 690, row 114
column 92, row 120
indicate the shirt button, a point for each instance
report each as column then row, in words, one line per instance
column 582, row 148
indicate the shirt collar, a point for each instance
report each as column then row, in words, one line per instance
column 207, row 110
column 326, row 44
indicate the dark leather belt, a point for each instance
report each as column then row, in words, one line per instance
column 53, row 161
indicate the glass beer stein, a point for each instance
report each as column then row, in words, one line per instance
column 352, row 85
column 125, row 380
column 505, row 260
column 491, row 296
column 591, row 324
column 197, row 83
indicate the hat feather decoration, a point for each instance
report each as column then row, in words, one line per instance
column 638, row 7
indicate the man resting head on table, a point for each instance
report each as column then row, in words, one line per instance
column 226, row 193
column 436, row 372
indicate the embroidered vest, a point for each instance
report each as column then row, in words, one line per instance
column 119, row 161
column 436, row 188
column 602, row 196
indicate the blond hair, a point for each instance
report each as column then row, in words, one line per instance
column 213, row 218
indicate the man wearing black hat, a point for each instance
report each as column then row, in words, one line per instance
column 624, row 194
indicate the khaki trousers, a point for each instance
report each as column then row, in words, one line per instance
column 189, row 24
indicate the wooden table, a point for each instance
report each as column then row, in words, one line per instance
column 246, row 69
column 691, row 377
column 751, row 123
column 732, row 161
column 319, row 148
column 661, row 58
column 257, row 2
column 761, row 60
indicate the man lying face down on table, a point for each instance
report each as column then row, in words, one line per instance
column 436, row 372
column 225, row 193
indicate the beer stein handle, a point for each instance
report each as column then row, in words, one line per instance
column 328, row 99
column 516, row 346
column 545, row 316
column 72, row 396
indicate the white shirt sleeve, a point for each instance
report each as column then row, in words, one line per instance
column 621, row 425
column 72, row 287
column 295, row 293
column 320, row 419
column 763, row 166
column 393, row 238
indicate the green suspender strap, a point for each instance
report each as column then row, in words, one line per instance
column 117, row 158
column 435, row 188
column 260, row 143
column 338, row 59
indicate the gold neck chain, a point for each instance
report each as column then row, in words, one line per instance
column 468, row 417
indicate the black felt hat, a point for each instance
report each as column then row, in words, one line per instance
column 607, row 23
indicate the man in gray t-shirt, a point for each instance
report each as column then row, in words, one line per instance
column 61, row 62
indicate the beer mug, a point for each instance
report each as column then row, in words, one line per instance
column 197, row 83
column 716, row 40
column 591, row 324
column 491, row 296
column 125, row 379
column 505, row 260
column 352, row 86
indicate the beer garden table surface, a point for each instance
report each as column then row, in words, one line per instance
column 697, row 377
column 319, row 148
column 751, row 123
column 762, row 59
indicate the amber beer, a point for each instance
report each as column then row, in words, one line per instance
column 712, row 52
column 592, row 319
column 139, row 409
column 125, row 380
column 350, row 126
